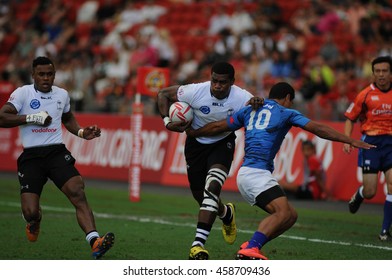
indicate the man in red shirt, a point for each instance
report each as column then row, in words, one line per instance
column 313, row 186
column 373, row 108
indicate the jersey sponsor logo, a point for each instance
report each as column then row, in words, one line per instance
column 217, row 104
column 35, row 104
column 374, row 98
column 44, row 130
column 49, row 97
column 386, row 109
column 205, row 109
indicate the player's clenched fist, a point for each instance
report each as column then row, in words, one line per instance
column 41, row 118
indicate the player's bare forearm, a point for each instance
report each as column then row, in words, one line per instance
column 9, row 117
column 329, row 133
column 165, row 97
column 348, row 127
column 210, row 129
column 70, row 123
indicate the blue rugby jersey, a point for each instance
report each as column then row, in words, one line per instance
column 265, row 130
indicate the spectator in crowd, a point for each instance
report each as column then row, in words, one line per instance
column 276, row 27
column 329, row 50
column 219, row 21
column 314, row 178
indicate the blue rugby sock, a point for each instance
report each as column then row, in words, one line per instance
column 258, row 240
column 386, row 223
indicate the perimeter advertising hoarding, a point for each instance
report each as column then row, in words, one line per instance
column 108, row 157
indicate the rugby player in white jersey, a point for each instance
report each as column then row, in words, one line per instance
column 39, row 109
column 265, row 130
column 209, row 158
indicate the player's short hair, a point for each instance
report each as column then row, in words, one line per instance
column 280, row 91
column 382, row 59
column 223, row 68
column 42, row 60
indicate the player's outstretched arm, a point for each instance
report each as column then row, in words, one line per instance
column 327, row 132
column 213, row 128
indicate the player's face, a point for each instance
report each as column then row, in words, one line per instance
column 382, row 75
column 43, row 76
column 220, row 85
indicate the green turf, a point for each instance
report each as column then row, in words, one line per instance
column 162, row 226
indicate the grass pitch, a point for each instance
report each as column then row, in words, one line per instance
column 162, row 227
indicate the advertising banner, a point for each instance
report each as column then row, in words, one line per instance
column 162, row 158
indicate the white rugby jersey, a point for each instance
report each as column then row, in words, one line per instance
column 28, row 100
column 207, row 108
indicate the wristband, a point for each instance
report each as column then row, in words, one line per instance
column 80, row 133
column 166, row 121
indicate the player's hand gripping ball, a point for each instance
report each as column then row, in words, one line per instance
column 180, row 112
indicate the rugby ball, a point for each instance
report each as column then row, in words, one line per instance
column 180, row 112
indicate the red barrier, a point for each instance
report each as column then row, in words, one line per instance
column 162, row 161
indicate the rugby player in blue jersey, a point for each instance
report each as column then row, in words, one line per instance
column 265, row 130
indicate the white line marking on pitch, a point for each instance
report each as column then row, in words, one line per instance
column 164, row 222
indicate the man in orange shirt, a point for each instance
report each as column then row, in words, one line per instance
column 373, row 108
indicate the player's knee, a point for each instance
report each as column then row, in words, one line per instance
column 369, row 193
column 293, row 217
column 30, row 214
column 75, row 193
column 215, row 179
column 288, row 217
column 210, row 202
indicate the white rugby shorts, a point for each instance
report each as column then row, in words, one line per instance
column 253, row 181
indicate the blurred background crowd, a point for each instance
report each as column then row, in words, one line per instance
column 323, row 48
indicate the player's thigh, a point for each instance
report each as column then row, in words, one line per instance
column 196, row 155
column 32, row 175
column 222, row 154
column 279, row 204
column 74, row 190
column 257, row 186
column 61, row 167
